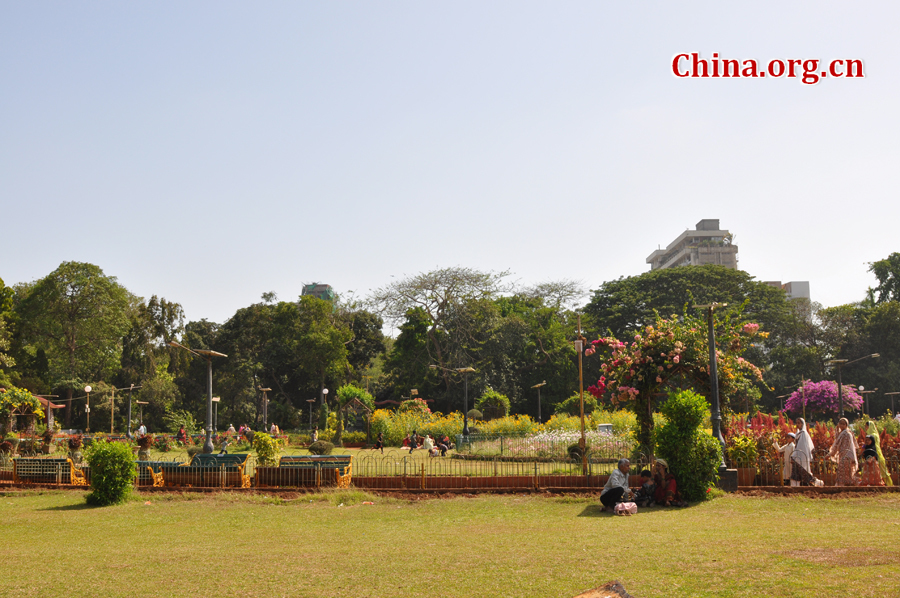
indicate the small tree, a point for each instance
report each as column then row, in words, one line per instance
column 493, row 404
column 674, row 353
column 266, row 449
column 112, row 472
column 692, row 454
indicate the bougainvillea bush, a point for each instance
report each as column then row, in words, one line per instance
column 674, row 354
column 822, row 398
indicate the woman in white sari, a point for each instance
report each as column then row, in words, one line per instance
column 801, row 458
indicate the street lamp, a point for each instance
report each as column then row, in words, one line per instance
column 714, row 379
column 87, row 408
column 265, row 406
column 866, row 393
column 310, row 401
column 465, row 372
column 142, row 403
column 892, row 395
column 216, row 400
column 538, row 387
column 207, row 355
column 841, row 363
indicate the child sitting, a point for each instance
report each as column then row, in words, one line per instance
column 644, row 496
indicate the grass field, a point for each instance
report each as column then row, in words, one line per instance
column 509, row 545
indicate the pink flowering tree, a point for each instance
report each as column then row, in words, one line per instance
column 673, row 354
column 822, row 398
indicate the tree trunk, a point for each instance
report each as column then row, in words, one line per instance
column 643, row 409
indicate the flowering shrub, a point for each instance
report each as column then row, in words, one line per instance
column 633, row 372
column 416, row 405
column 822, row 397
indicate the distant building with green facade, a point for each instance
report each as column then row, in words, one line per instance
column 320, row 291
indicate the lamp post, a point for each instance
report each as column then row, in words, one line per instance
column 128, row 428
column 582, row 443
column 87, row 408
column 216, row 400
column 207, row 355
column 265, row 406
column 142, row 403
column 862, row 390
column 892, row 395
column 310, row 401
column 538, row 387
column 465, row 372
column 841, row 363
column 714, row 378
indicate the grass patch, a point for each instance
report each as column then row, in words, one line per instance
column 503, row 545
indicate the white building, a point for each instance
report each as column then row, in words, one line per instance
column 706, row 245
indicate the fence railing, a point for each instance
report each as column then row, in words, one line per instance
column 549, row 446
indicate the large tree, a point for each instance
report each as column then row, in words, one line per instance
column 78, row 315
column 444, row 296
column 887, row 271
column 622, row 306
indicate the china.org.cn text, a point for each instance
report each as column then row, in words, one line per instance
column 691, row 65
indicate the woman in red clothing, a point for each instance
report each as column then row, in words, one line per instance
column 666, row 493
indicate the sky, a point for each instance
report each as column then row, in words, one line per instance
column 208, row 152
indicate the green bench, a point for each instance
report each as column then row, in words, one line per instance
column 30, row 470
column 308, row 470
column 208, row 471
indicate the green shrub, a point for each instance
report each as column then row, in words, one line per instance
column 320, row 447
column 112, row 472
column 266, row 449
column 493, row 404
column 475, row 414
column 572, row 405
column 743, row 451
column 693, row 455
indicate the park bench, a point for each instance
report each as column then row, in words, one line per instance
column 29, row 470
column 308, row 470
column 209, row 471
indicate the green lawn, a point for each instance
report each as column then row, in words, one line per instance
column 254, row 545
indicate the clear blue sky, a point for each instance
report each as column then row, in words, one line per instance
column 211, row 151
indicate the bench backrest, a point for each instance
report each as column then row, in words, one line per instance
column 339, row 462
column 210, row 460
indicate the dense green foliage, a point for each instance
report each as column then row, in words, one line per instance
column 112, row 472
column 692, row 454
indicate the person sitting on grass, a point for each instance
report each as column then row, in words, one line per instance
column 616, row 489
column 181, row 436
column 428, row 445
column 666, row 493
column 644, row 496
column 444, row 446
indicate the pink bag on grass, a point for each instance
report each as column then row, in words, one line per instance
column 626, row 508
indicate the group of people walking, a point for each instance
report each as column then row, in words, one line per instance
column 798, row 453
